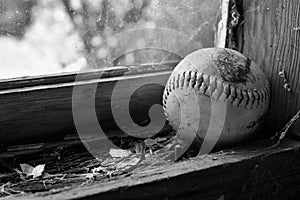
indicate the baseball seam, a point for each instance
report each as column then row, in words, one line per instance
column 217, row 89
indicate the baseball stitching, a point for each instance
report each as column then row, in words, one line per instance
column 217, row 89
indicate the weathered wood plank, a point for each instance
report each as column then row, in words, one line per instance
column 41, row 110
column 50, row 79
column 272, row 39
column 252, row 172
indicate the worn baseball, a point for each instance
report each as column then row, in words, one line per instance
column 217, row 89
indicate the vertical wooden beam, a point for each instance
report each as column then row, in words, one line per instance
column 271, row 37
column 220, row 40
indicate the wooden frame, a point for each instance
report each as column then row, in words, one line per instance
column 44, row 104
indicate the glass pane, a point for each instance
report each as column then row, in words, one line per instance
column 53, row 36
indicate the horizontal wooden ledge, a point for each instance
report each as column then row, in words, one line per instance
column 41, row 110
column 80, row 82
column 254, row 171
column 69, row 77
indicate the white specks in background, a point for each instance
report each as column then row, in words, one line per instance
column 50, row 44
column 76, row 4
column 96, row 41
column 102, row 53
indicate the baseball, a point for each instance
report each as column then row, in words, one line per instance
column 219, row 94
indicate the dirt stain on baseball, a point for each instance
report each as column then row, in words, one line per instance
column 233, row 68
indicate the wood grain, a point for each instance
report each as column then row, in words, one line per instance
column 40, row 109
column 69, row 77
column 271, row 37
column 251, row 172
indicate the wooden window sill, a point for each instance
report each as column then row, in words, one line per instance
column 253, row 171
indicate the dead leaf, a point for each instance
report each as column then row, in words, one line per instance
column 26, row 169
column 38, row 171
column 35, row 172
column 119, row 153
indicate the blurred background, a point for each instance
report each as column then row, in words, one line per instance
column 53, row 36
column 37, row 37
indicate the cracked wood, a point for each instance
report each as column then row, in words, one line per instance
column 271, row 37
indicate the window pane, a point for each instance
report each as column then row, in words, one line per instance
column 52, row 36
